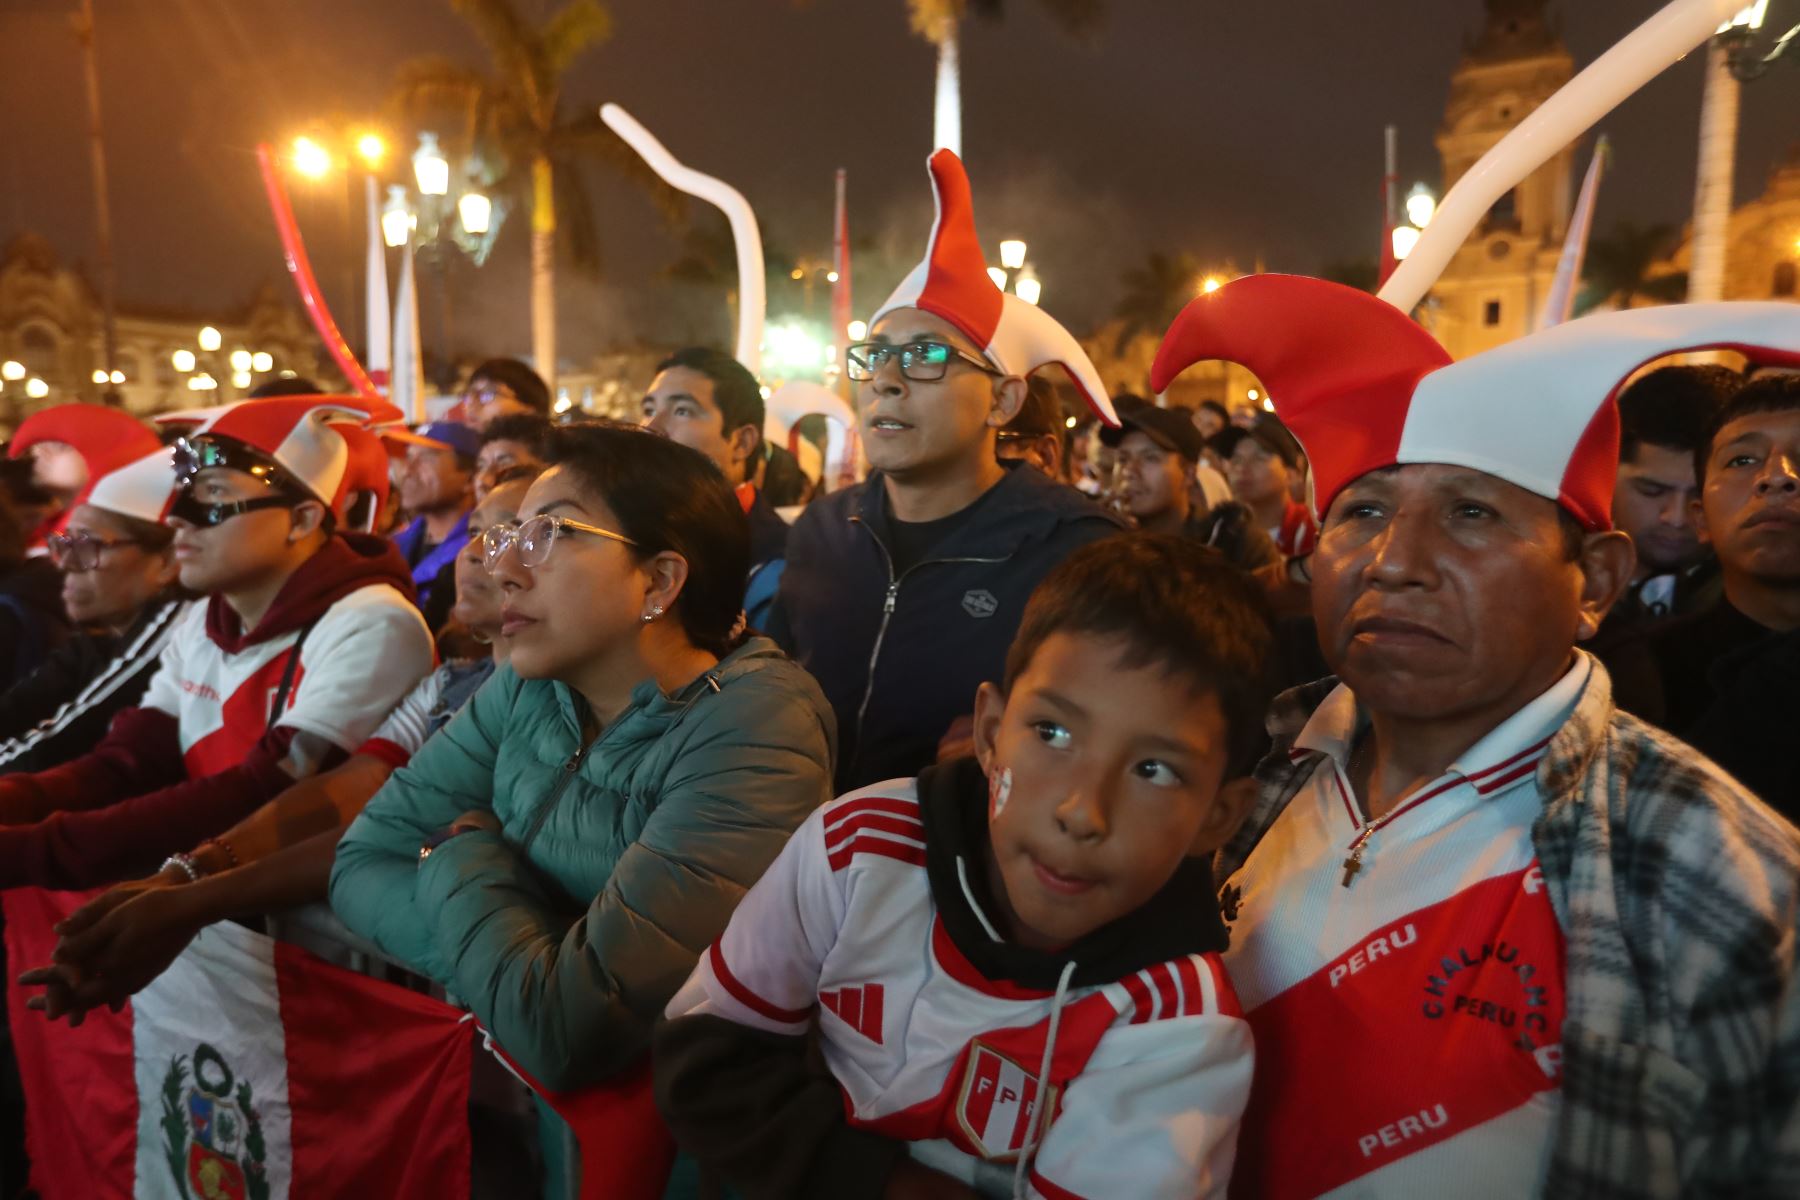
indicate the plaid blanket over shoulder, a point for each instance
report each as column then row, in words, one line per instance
column 1678, row 894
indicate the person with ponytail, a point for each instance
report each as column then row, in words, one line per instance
column 561, row 854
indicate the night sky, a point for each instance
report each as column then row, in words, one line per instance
column 1234, row 132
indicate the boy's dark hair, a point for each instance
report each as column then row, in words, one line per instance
column 1215, row 407
column 1673, row 407
column 1177, row 604
column 1765, row 393
column 525, row 383
column 528, row 428
column 668, row 497
column 736, row 394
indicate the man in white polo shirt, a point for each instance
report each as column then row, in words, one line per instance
column 1494, row 937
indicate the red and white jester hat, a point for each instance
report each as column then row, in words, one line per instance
column 953, row 283
column 140, row 489
column 296, row 432
column 1364, row 387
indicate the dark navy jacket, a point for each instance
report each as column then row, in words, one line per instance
column 900, row 659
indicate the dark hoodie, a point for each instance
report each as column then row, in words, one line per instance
column 763, row 1109
column 120, row 809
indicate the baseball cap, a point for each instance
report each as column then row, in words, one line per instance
column 1266, row 431
column 451, row 435
column 1173, row 431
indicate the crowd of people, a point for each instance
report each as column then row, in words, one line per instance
column 1387, row 789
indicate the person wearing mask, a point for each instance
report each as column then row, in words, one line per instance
column 501, row 387
column 709, row 401
column 1264, row 465
column 1728, row 672
column 902, row 592
column 561, row 853
column 279, row 857
column 307, row 639
column 120, row 592
column 1485, row 926
column 437, row 490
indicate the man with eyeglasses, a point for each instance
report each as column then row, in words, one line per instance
column 498, row 388
column 901, row 594
column 306, row 640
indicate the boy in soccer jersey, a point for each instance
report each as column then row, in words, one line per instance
column 1010, row 963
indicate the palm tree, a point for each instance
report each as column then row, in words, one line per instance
column 1619, row 265
column 937, row 21
column 514, row 113
column 1155, row 293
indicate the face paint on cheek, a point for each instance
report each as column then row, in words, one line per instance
column 999, row 792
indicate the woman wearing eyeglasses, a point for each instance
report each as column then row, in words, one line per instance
column 561, row 854
column 120, row 592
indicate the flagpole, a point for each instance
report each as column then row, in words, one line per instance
column 1390, row 187
column 1561, row 304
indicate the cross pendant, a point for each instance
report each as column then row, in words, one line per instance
column 1352, row 865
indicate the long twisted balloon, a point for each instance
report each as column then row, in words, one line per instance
column 752, row 299
column 300, row 267
column 1571, row 112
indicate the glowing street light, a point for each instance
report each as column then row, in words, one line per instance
column 12, row 370
column 1012, row 254
column 261, row 361
column 1027, row 287
column 183, row 360
column 240, row 360
column 240, row 379
column 1421, row 205
column 858, row 330
column 477, row 213
column 99, row 375
column 1405, row 238
column 311, row 159
column 1211, row 284
column 430, row 167
column 371, row 149
column 998, row 276
column 117, row 377
column 397, row 219
column 36, row 388
column 210, row 339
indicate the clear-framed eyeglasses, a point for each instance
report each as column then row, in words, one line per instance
column 535, row 537
column 922, row 362
column 80, row 551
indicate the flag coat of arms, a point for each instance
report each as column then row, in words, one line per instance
column 250, row 1070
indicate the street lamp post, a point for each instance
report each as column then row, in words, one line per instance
column 1420, row 206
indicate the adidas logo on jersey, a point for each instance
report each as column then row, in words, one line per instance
column 858, row 1007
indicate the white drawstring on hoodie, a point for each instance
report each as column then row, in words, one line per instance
column 1039, row 1118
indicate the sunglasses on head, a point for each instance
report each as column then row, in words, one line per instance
column 203, row 453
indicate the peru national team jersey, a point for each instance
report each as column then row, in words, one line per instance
column 1147, row 1080
column 1408, row 1025
column 364, row 654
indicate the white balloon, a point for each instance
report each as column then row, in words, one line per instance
column 752, row 300
column 1571, row 112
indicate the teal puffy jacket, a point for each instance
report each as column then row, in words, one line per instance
column 614, row 868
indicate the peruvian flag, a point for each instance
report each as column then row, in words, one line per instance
column 250, row 1070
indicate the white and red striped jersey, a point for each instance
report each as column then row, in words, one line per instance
column 364, row 654
column 1409, row 1022
column 1149, row 1075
